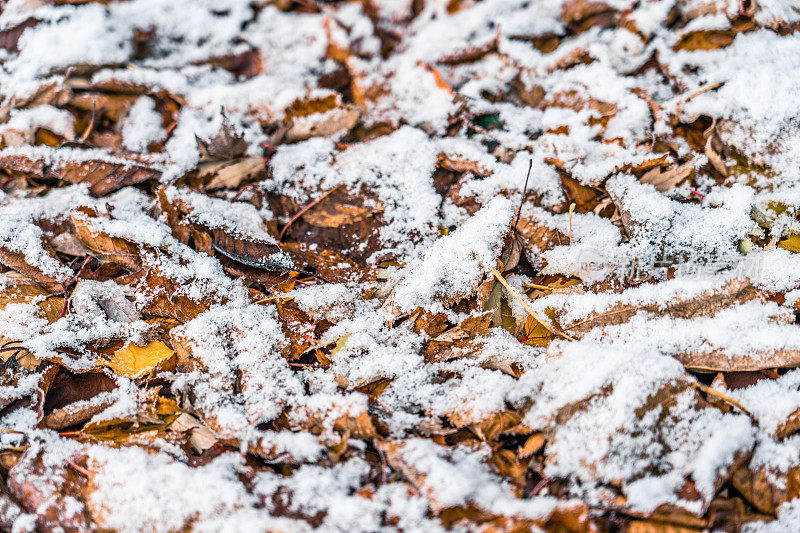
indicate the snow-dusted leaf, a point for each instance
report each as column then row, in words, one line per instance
column 112, row 248
column 134, row 361
column 102, row 176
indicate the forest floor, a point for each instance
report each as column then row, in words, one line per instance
column 403, row 265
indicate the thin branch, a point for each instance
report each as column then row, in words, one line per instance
column 304, row 210
column 528, row 308
column 721, row 396
column 524, row 192
column 90, row 127
column 571, row 210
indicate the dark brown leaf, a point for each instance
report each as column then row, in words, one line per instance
column 102, row 177
column 108, row 248
column 227, row 144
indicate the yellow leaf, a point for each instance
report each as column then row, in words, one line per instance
column 791, row 243
column 166, row 406
column 133, row 361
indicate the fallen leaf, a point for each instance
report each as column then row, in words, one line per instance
column 114, row 248
column 10, row 36
column 134, row 361
column 102, row 177
column 231, row 174
column 16, row 261
column 225, row 145
column 201, row 438
column 20, row 289
column 666, row 180
column 319, row 116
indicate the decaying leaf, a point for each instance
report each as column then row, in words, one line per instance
column 285, row 254
column 102, row 177
column 664, row 181
column 16, row 260
column 200, row 436
column 20, row 289
column 231, row 174
column 320, row 117
column 113, row 248
column 227, row 144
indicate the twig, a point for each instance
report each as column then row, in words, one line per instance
column 6, row 182
column 698, row 92
column 524, row 191
column 90, row 127
column 614, row 312
column 539, row 486
column 304, row 210
column 527, row 307
column 571, row 210
column 168, row 131
column 80, row 469
column 6, row 348
column 721, row 396
column 241, row 191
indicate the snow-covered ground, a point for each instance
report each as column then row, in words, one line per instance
column 276, row 265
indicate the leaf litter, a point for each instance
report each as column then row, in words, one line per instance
column 399, row 266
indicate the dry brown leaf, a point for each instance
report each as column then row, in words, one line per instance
column 533, row 444
column 732, row 293
column 715, row 361
column 226, row 145
column 581, row 15
column 342, row 118
column 121, row 428
column 10, row 36
column 577, row 56
column 341, row 208
column 200, row 436
column 20, row 289
column 245, row 64
column 470, row 54
column 319, row 117
column 357, row 241
column 490, row 428
column 231, row 174
column 644, row 526
column 330, row 265
column 460, row 164
column 536, row 238
column 70, row 389
column 102, row 177
column 174, row 212
column 16, row 261
column 509, row 465
column 168, row 300
column 359, row 427
column 766, row 490
column 113, row 248
column 112, row 106
column 67, row 243
column 666, row 180
column 75, row 413
column 45, row 490
column 705, row 40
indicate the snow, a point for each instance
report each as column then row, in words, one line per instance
column 396, row 167
column 453, row 266
column 378, row 424
column 142, row 126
